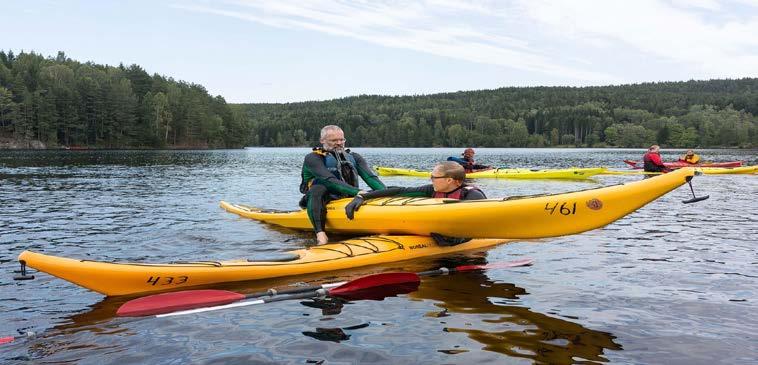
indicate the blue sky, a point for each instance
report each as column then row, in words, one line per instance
column 286, row 51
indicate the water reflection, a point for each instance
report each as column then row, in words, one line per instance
column 490, row 313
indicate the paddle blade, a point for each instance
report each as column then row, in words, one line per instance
column 177, row 301
column 361, row 287
column 379, row 292
column 695, row 200
column 497, row 265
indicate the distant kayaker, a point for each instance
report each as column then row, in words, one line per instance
column 331, row 172
column 468, row 162
column 690, row 157
column 652, row 160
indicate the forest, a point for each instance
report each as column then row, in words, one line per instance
column 714, row 113
column 61, row 103
column 56, row 102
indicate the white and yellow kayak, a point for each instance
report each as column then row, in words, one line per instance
column 570, row 173
column 513, row 217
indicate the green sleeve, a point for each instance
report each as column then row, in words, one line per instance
column 367, row 174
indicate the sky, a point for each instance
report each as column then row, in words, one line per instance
column 288, row 51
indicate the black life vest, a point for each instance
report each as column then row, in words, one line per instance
column 341, row 164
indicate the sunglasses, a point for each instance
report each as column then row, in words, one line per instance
column 437, row 177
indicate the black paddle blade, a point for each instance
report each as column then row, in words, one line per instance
column 695, row 200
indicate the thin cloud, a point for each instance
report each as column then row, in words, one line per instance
column 423, row 27
column 714, row 46
column 545, row 36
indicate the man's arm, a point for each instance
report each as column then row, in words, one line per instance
column 366, row 173
column 314, row 164
column 419, row 191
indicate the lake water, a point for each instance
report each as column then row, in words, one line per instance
column 670, row 283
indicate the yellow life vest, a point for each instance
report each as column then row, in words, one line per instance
column 691, row 159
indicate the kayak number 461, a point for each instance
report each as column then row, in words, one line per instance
column 564, row 208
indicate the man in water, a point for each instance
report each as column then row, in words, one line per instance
column 331, row 172
column 467, row 161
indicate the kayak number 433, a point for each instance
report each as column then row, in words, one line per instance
column 167, row 280
column 564, row 208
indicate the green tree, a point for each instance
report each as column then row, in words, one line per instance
column 8, row 110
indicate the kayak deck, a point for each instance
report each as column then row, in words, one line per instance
column 573, row 173
column 111, row 278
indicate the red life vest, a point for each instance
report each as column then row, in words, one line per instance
column 455, row 194
column 652, row 162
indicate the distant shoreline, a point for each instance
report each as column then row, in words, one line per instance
column 198, row 148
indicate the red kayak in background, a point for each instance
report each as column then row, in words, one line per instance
column 678, row 164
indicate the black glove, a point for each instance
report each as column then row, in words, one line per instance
column 353, row 206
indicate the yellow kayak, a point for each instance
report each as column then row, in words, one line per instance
column 135, row 278
column 571, row 173
column 704, row 170
column 727, row 170
column 513, row 217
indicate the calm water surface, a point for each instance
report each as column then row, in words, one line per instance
column 670, row 283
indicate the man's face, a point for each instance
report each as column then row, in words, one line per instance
column 334, row 140
column 441, row 182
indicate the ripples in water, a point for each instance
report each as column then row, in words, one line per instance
column 671, row 283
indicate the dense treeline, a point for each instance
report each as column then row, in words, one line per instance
column 716, row 113
column 60, row 102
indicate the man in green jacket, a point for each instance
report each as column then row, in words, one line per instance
column 331, row 172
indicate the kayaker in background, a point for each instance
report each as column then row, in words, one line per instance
column 652, row 160
column 468, row 162
column 331, row 172
column 690, row 157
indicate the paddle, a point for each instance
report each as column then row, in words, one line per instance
column 694, row 199
column 184, row 301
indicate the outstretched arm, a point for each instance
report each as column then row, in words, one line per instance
column 366, row 173
column 421, row 191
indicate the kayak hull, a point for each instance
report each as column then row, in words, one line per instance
column 135, row 278
column 571, row 173
column 679, row 164
column 514, row 217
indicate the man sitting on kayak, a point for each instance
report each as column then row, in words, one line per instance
column 468, row 162
column 331, row 172
column 447, row 182
column 652, row 160
column 690, row 157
